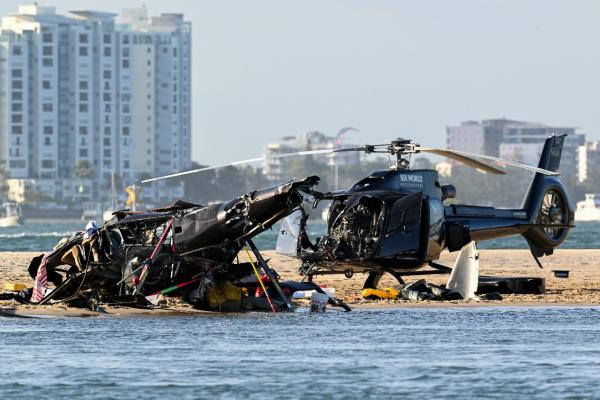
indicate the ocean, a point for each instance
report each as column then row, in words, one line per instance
column 479, row 352
column 42, row 235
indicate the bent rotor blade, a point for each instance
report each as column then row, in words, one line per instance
column 463, row 159
column 471, row 156
column 258, row 159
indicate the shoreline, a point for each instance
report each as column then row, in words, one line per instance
column 69, row 312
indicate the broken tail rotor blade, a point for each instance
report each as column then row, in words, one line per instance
column 470, row 160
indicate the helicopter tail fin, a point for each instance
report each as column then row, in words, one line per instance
column 549, row 208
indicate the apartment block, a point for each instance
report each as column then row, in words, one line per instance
column 275, row 169
column 91, row 94
column 516, row 140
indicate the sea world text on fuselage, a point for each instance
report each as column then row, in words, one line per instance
column 411, row 181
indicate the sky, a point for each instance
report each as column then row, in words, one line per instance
column 266, row 69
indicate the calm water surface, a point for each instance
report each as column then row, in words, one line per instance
column 43, row 235
column 501, row 353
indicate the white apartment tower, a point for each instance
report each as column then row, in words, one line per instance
column 97, row 90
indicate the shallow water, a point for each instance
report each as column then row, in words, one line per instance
column 481, row 353
column 43, row 235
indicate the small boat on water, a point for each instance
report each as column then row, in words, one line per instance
column 10, row 215
column 588, row 209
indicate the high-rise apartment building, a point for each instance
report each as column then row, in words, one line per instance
column 92, row 94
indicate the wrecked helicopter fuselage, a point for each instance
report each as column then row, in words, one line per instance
column 185, row 249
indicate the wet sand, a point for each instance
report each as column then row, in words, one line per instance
column 582, row 288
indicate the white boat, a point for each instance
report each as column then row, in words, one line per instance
column 11, row 215
column 588, row 209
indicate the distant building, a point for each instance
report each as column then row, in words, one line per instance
column 90, row 89
column 275, row 169
column 515, row 140
column 589, row 160
column 479, row 137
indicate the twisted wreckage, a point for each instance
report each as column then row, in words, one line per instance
column 186, row 249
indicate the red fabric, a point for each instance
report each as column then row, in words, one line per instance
column 41, row 282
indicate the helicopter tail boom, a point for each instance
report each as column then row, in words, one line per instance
column 545, row 218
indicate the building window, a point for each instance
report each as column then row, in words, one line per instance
column 17, row 95
column 47, row 37
column 47, row 50
column 17, row 118
column 125, row 108
column 17, row 73
column 83, row 153
column 125, row 131
column 174, row 51
column 17, row 130
column 83, row 107
column 126, row 52
column 18, row 107
column 125, row 39
column 83, row 38
column 106, row 74
column 83, row 96
column 47, row 164
column 107, row 52
column 106, row 141
column 17, row 84
column 106, row 131
column 46, row 85
column 106, row 38
column 125, row 63
column 47, row 141
column 106, row 96
column 106, row 152
column 125, row 164
column 107, row 108
column 83, row 130
column 48, row 130
column 47, row 107
column 47, row 62
column 16, row 51
column 83, row 51
column 83, row 85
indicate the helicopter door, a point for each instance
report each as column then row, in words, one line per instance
column 403, row 232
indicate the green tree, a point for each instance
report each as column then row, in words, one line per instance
column 83, row 170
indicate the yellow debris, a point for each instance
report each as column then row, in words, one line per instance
column 379, row 294
column 15, row 287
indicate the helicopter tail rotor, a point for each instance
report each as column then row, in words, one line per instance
column 550, row 211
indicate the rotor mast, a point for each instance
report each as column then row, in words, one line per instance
column 401, row 148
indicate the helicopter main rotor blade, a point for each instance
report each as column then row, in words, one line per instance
column 469, row 159
column 258, row 159
column 463, row 159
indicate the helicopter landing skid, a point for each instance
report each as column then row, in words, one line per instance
column 374, row 277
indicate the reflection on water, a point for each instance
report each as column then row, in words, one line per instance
column 403, row 353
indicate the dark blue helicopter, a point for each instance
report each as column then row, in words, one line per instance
column 395, row 220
